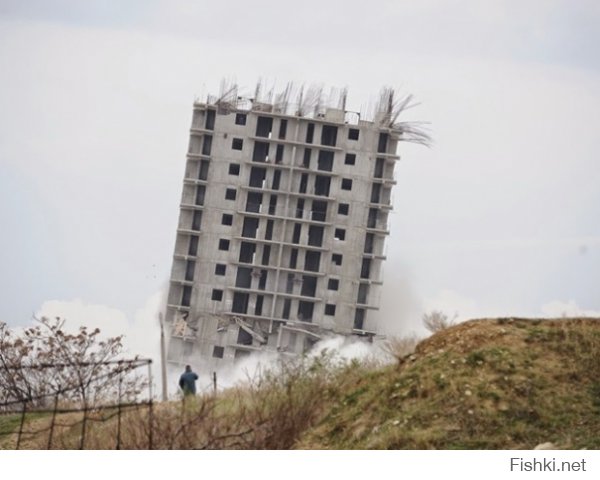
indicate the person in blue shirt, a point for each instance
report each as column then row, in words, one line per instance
column 187, row 381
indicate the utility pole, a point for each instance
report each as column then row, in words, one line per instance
column 163, row 358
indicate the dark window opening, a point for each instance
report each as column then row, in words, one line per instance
column 346, row 184
column 264, row 126
column 289, row 284
column 261, row 152
column 217, row 295
column 186, row 296
column 276, row 180
column 243, row 278
column 266, row 254
column 220, row 269
column 240, row 302
column 197, row 221
column 230, row 194
column 376, row 193
column 310, row 132
column 383, row 143
column 372, row 218
column 200, row 193
column 282, row 128
column 296, row 233
column 350, row 159
column 340, row 234
column 287, row 306
column 234, row 169
column 325, row 161
column 254, row 202
column 258, row 305
column 237, row 144
column 250, row 227
column 207, row 145
column 333, row 284
column 363, row 292
column 330, row 309
column 369, row 242
column 305, row 311
column 379, row 165
column 329, row 135
column 218, row 352
column 223, row 244
column 293, row 258
column 193, row 246
column 353, row 134
column 309, row 286
column 210, row 119
column 279, row 154
column 303, row 182
column 240, row 119
column 257, row 177
column 311, row 261
column 315, row 235
column 262, row 281
column 359, row 318
column 203, row 171
column 306, row 159
column 336, row 258
column 322, row 184
column 365, row 269
column 190, row 267
column 227, row 219
column 244, row 337
column 269, row 231
column 247, row 251
column 272, row 204
column 319, row 211
column 299, row 208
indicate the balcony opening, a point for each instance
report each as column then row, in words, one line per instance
column 273, row 205
column 359, row 318
column 250, row 227
column 254, row 202
column 303, row 183
column 203, row 171
column 210, row 119
column 319, row 211
column 379, row 165
column 305, row 311
column 247, row 251
column 264, row 126
column 240, row 302
column 309, row 286
column 312, row 261
column 363, row 292
column 269, row 230
column 200, row 194
column 329, row 135
column 186, row 296
column 365, row 269
column 369, row 242
column 299, row 208
column 257, row 177
column 382, row 145
column 243, row 278
column 262, row 281
column 207, row 145
column 244, row 337
column 296, row 233
column 325, row 161
column 282, row 128
column 266, row 254
column 293, row 258
column 376, row 193
column 190, row 267
column 258, row 306
column 315, row 235
column 197, row 221
column 289, row 284
column 372, row 219
column 310, row 132
column 261, row 152
column 276, row 180
column 193, row 246
column 322, row 185
column 287, row 306
column 279, row 154
column 306, row 159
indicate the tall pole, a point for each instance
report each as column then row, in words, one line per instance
column 163, row 358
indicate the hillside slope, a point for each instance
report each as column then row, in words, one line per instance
column 492, row 384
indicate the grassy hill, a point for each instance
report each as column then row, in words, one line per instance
column 491, row 384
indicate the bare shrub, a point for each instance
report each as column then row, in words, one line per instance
column 400, row 347
column 436, row 321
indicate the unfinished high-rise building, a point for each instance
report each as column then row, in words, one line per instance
column 284, row 215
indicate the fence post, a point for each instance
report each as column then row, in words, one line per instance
column 214, row 375
column 119, row 412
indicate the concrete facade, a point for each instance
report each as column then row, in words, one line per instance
column 281, row 230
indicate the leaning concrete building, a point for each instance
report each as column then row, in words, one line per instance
column 282, row 225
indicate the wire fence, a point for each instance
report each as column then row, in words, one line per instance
column 47, row 400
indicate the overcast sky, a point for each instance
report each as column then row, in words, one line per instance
column 500, row 216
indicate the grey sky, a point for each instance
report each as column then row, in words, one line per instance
column 500, row 216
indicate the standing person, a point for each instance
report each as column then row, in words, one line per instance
column 187, row 381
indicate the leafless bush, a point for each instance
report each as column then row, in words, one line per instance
column 400, row 347
column 436, row 321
